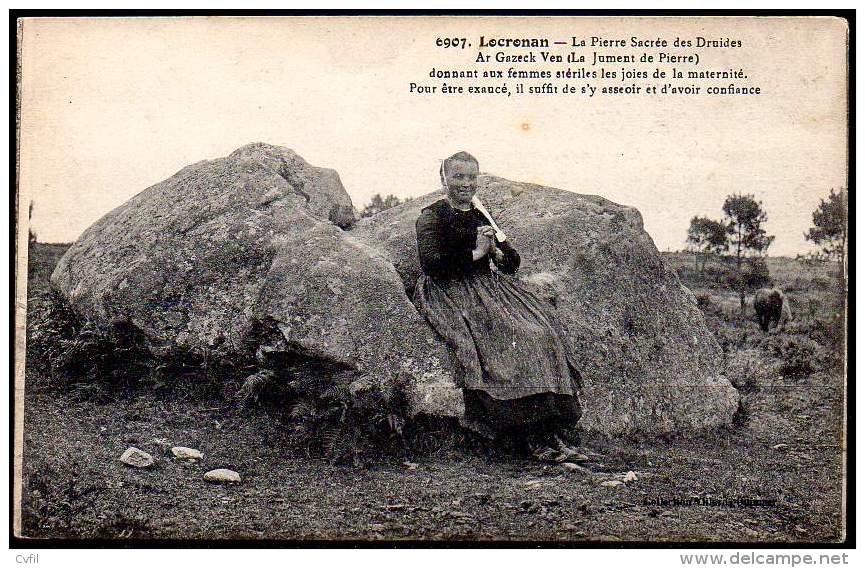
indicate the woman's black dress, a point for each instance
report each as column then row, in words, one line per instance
column 517, row 374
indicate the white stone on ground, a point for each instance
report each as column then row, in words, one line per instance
column 184, row 453
column 137, row 458
column 222, row 476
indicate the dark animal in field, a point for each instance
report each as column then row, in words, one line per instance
column 771, row 307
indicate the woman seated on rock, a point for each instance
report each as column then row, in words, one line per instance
column 516, row 373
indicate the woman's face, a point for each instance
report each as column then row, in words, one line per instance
column 462, row 181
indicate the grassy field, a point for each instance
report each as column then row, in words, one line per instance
column 774, row 477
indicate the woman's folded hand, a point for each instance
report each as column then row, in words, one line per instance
column 483, row 242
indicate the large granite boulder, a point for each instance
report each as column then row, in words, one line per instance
column 648, row 361
column 247, row 256
column 210, row 262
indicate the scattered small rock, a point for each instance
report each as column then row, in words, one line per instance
column 411, row 466
column 222, row 476
column 799, row 529
column 630, row 477
column 137, row 458
column 183, row 453
column 612, row 483
column 780, row 447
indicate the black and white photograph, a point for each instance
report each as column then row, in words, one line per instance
column 432, row 280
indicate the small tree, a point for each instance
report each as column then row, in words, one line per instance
column 31, row 235
column 830, row 230
column 745, row 217
column 708, row 237
column 379, row 204
column 752, row 275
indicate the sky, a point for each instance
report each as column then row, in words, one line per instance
column 112, row 106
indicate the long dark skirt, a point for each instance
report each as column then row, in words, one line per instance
column 515, row 367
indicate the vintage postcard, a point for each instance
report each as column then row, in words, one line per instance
column 553, row 279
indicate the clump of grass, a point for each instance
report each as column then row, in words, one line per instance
column 52, row 499
column 744, row 411
column 749, row 370
column 707, row 304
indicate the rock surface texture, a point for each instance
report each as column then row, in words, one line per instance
column 247, row 256
column 137, row 458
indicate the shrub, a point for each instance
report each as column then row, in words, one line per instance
column 827, row 331
column 331, row 413
column 800, row 357
column 750, row 369
column 70, row 350
column 49, row 319
column 65, row 350
column 706, row 304
column 378, row 204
